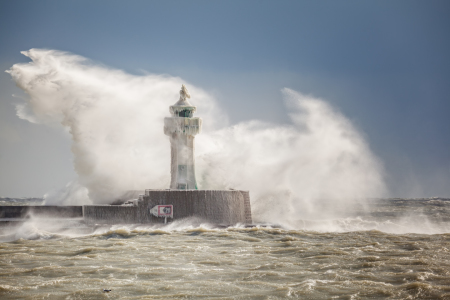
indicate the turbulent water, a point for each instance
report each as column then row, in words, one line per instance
column 398, row 249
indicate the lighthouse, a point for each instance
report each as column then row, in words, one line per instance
column 182, row 127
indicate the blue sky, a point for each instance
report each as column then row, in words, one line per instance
column 384, row 64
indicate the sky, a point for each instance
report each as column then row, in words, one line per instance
column 382, row 64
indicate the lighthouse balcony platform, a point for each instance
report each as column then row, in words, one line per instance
column 188, row 126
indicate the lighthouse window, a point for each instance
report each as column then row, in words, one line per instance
column 185, row 113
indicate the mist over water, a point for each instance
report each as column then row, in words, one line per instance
column 115, row 121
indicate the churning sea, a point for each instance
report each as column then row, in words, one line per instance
column 398, row 249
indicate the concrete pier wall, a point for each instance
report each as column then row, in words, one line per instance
column 41, row 211
column 247, row 207
column 222, row 207
column 111, row 214
column 226, row 207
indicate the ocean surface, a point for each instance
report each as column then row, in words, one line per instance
column 394, row 249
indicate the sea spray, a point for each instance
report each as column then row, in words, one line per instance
column 115, row 121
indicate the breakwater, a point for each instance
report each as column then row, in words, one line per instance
column 223, row 207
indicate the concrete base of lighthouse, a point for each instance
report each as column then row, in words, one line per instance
column 222, row 207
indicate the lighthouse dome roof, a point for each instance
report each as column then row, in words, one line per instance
column 183, row 102
column 182, row 107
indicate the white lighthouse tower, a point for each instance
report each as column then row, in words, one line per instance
column 182, row 128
